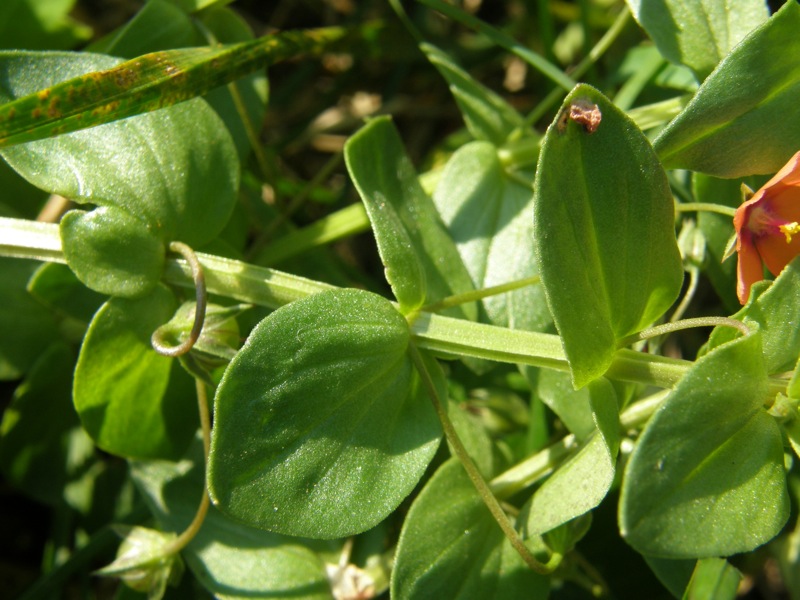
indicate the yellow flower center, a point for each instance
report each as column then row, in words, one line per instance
column 790, row 229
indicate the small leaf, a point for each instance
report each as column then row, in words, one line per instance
column 321, row 425
column 451, row 547
column 706, row 477
column 723, row 130
column 382, row 177
column 604, row 232
column 388, row 184
column 488, row 215
column 122, row 386
column 581, row 483
column 697, row 33
column 713, row 579
column 111, row 251
column 487, row 116
column 55, row 286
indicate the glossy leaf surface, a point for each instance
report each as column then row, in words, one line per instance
column 706, row 477
column 604, row 233
column 321, row 425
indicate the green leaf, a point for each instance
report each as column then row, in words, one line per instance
column 451, row 547
column 771, row 311
column 383, row 175
column 122, row 386
column 321, row 425
column 697, row 33
column 40, row 25
column 230, row 560
column 146, row 83
column 673, row 574
column 28, row 327
column 604, row 232
column 34, row 451
column 581, row 483
column 488, row 215
column 487, row 116
column 706, row 477
column 159, row 25
column 728, row 129
column 713, row 579
column 573, row 407
column 111, row 251
column 383, row 188
column 179, row 184
column 56, row 286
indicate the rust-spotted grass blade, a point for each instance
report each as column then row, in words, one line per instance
column 149, row 82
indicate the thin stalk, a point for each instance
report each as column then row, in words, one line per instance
column 582, row 67
column 238, row 103
column 691, row 289
column 198, row 277
column 720, row 209
column 503, row 40
column 188, row 534
column 474, row 295
column 297, row 202
column 666, row 328
column 472, row 472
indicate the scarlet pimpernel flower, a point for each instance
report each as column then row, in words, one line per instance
column 768, row 228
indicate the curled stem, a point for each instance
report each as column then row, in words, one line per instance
column 157, row 339
column 188, row 534
column 472, row 472
column 684, row 324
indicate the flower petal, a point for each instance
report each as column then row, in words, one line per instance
column 748, row 269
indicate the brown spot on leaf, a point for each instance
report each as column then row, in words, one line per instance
column 585, row 113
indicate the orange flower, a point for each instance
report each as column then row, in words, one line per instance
column 767, row 228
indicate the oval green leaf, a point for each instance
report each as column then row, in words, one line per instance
column 321, row 426
column 451, row 547
column 728, row 129
column 128, row 397
column 706, row 477
column 604, row 232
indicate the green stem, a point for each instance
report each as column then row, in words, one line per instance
column 666, row 328
column 472, row 472
column 720, row 209
column 157, row 339
column 582, row 67
column 188, row 534
column 474, row 295
column 538, row 62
